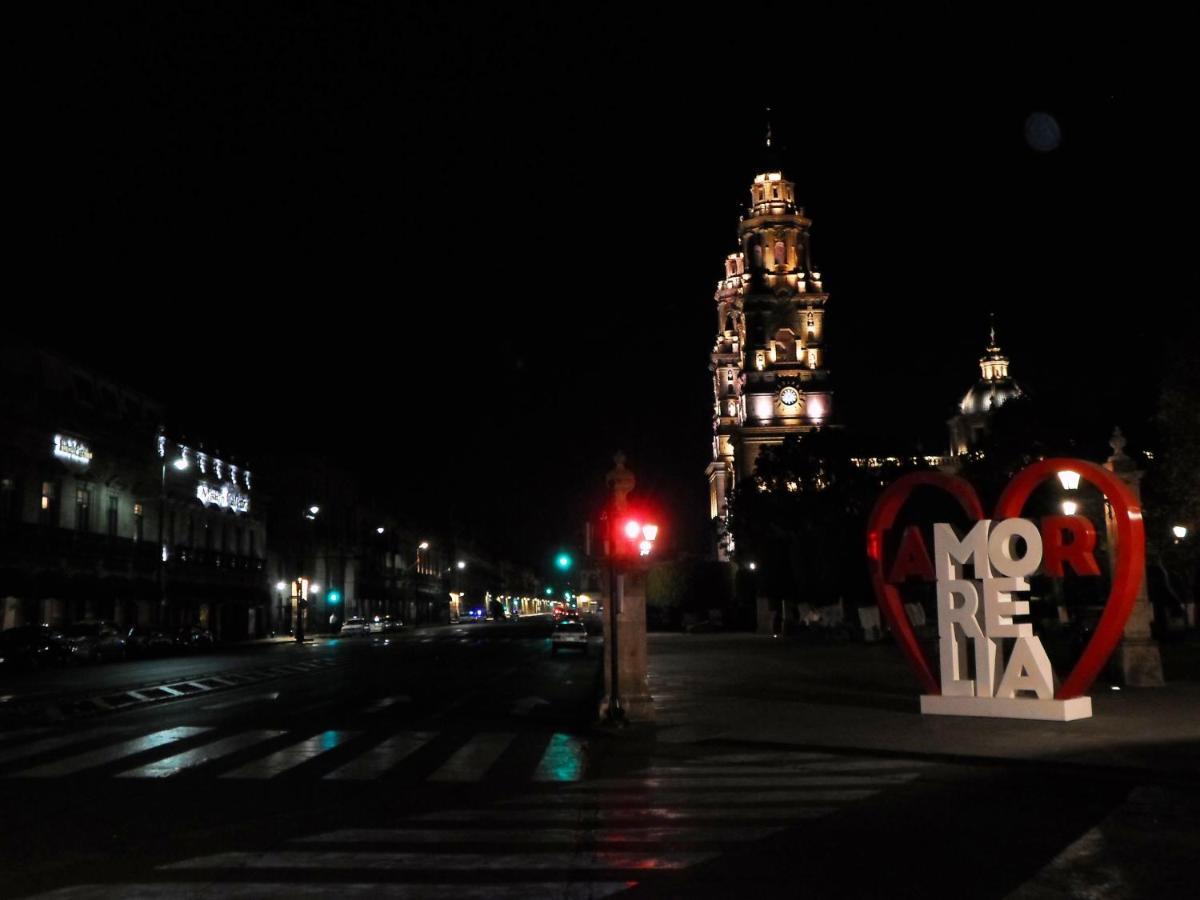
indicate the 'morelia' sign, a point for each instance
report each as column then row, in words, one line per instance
column 989, row 663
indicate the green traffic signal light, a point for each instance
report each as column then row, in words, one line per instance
column 563, row 561
column 334, row 596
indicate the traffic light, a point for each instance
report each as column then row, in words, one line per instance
column 563, row 561
column 333, row 597
column 635, row 536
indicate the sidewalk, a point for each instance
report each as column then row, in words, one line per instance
column 863, row 697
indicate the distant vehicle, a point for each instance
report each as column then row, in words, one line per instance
column 193, row 638
column 146, row 640
column 476, row 614
column 354, row 626
column 569, row 634
column 385, row 625
column 32, row 646
column 94, row 641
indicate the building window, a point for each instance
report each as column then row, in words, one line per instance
column 83, row 497
column 113, row 510
column 138, row 518
column 729, row 376
column 780, row 254
column 49, row 510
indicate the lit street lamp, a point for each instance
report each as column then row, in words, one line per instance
column 180, row 464
column 1068, row 479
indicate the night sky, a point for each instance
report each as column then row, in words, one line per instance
column 470, row 256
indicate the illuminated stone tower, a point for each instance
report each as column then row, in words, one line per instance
column 768, row 362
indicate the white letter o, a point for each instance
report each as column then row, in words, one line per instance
column 1000, row 547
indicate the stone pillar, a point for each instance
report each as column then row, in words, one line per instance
column 765, row 616
column 1138, row 655
column 625, row 602
column 636, row 703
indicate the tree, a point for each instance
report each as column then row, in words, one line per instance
column 1171, row 489
column 802, row 517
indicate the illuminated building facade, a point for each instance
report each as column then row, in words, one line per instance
column 770, row 376
column 102, row 516
column 994, row 388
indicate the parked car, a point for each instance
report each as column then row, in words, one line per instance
column 569, row 634
column 193, row 638
column 32, row 646
column 385, row 625
column 355, row 625
column 146, row 640
column 94, row 641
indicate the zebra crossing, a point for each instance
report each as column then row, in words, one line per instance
column 260, row 754
column 589, row 838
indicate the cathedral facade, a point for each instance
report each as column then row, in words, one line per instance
column 768, row 361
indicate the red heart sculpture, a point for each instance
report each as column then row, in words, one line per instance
column 1126, row 580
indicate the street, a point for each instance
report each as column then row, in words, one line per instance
column 463, row 761
column 336, row 733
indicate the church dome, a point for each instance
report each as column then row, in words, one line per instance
column 984, row 395
column 995, row 388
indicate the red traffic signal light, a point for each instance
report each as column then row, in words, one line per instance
column 635, row 536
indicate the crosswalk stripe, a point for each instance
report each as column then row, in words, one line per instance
column 795, row 781
column 53, row 743
column 189, row 759
column 293, row 860
column 93, row 758
column 242, row 701
column 381, row 758
column 386, row 702
column 175, row 890
column 820, row 795
column 472, row 760
column 542, row 816
column 551, row 835
column 563, row 759
column 290, row 757
column 833, row 765
column 18, row 735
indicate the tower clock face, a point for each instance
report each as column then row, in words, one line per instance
column 789, row 396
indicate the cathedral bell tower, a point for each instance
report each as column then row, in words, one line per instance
column 768, row 363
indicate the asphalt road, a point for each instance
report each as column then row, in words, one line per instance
column 285, row 740
column 463, row 762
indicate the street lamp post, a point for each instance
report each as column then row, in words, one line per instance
column 181, row 463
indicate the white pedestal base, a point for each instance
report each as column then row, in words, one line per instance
column 1008, row 707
